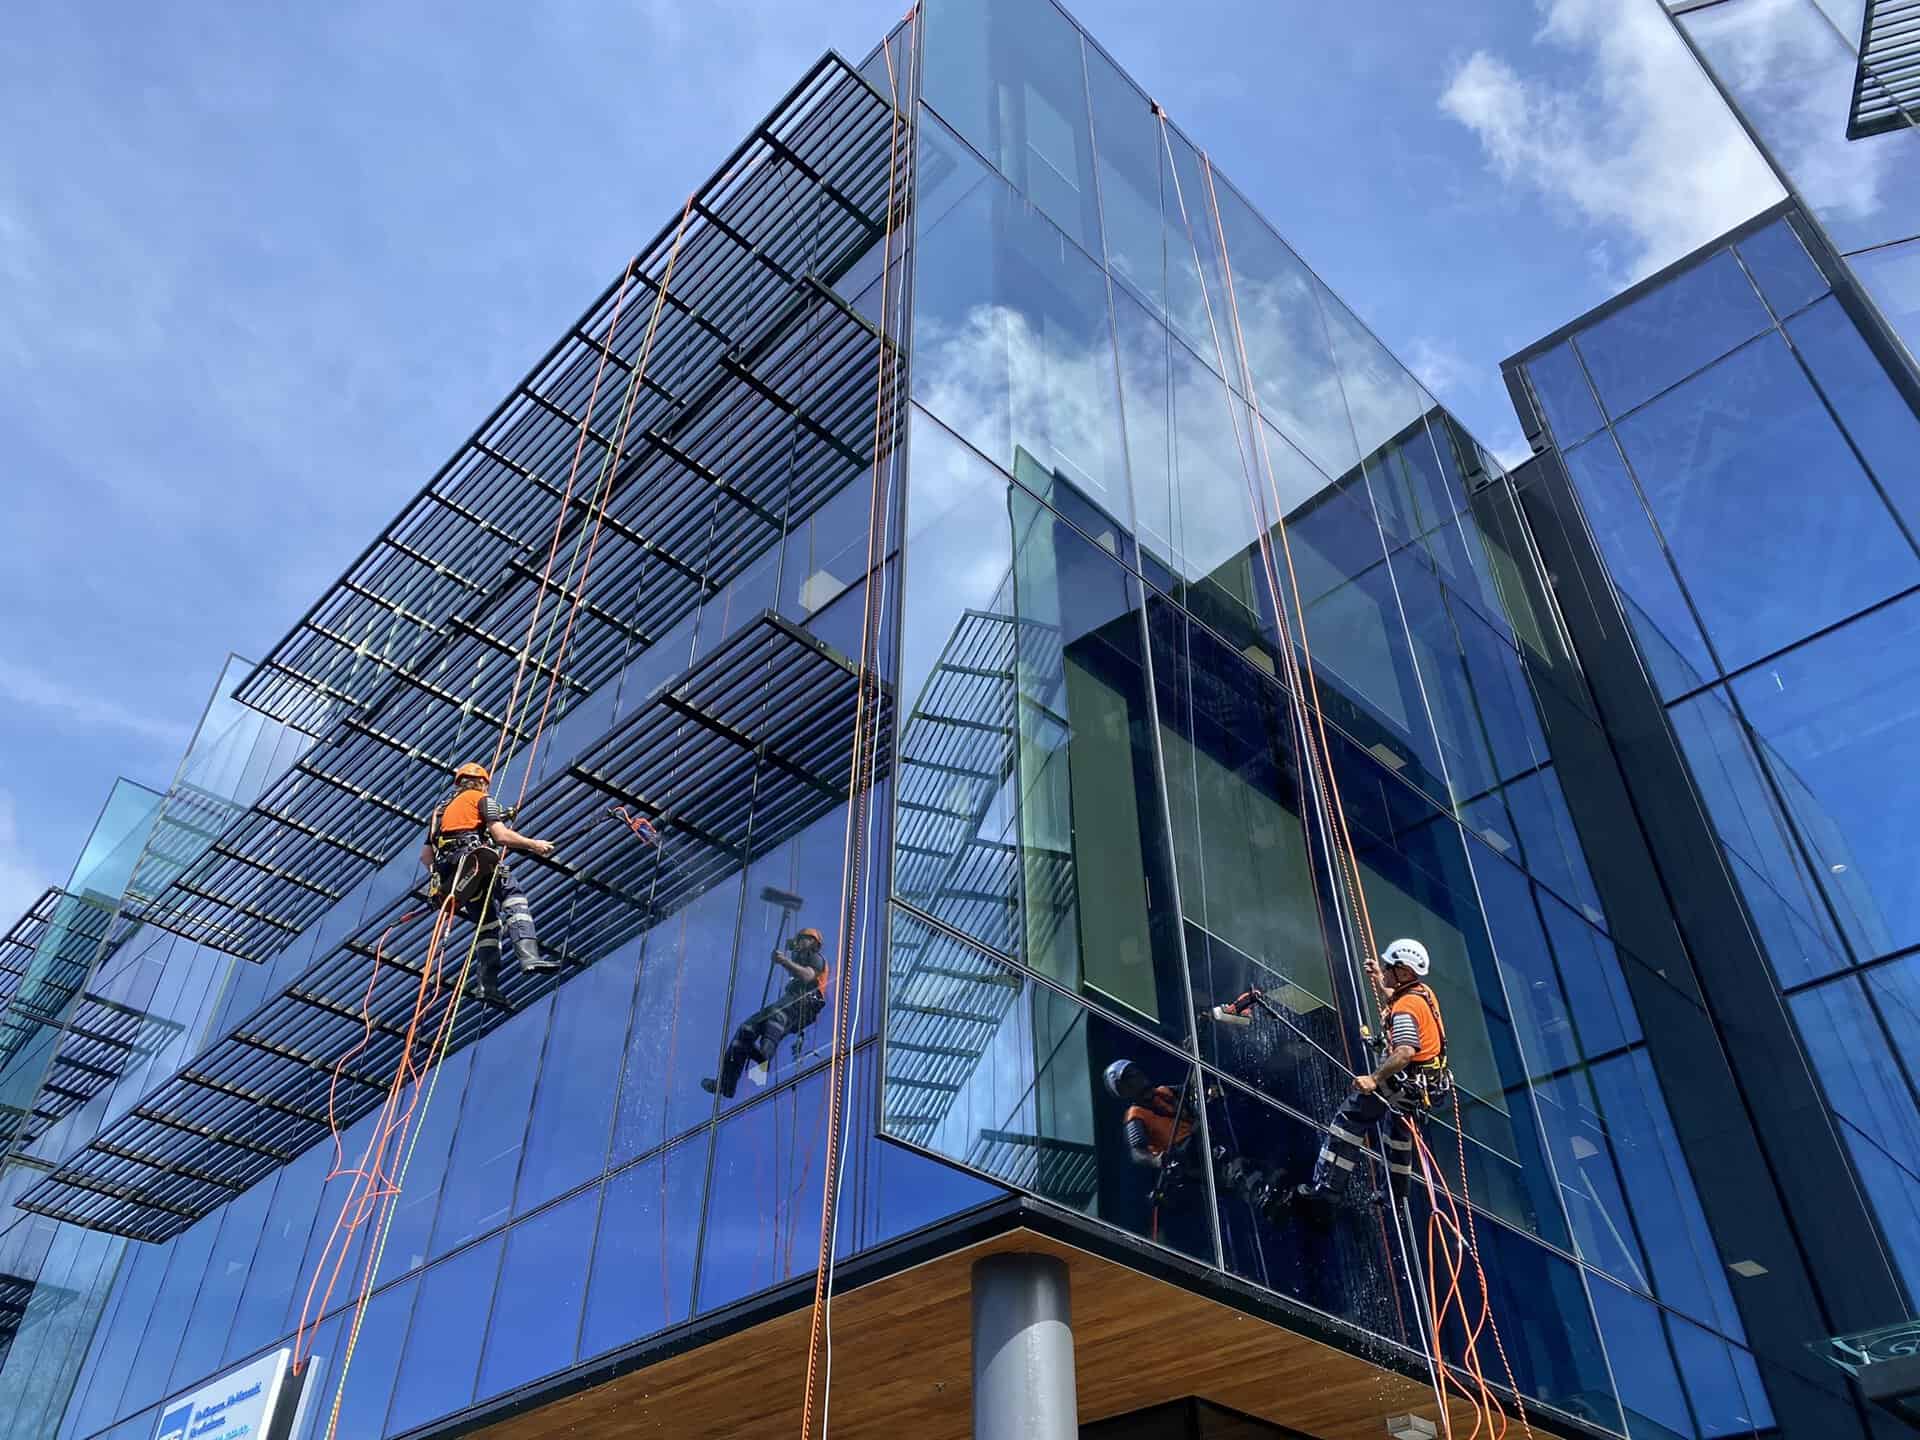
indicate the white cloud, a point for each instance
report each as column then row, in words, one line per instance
column 20, row 879
column 1643, row 144
column 22, row 685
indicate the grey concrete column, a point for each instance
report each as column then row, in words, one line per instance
column 1022, row 1350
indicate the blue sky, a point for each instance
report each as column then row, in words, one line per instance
column 263, row 268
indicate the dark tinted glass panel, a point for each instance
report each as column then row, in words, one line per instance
column 1876, row 416
column 1644, row 1367
column 1760, row 844
column 1344, row 1266
column 644, row 1257
column 376, row 1361
column 1004, row 1075
column 160, row 1341
column 1869, row 1093
column 1666, row 334
column 1781, row 267
column 1670, row 641
column 1737, row 458
column 1834, row 775
column 1007, row 75
column 262, row 1311
column 543, row 1279
column 124, row 1335
column 478, row 1194
column 1563, row 391
column 1549, row 845
column 573, row 1105
column 678, row 1019
column 419, row 1200
column 763, row 1207
column 443, row 1341
column 204, row 1344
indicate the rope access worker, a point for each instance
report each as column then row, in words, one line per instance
column 466, row 843
column 1159, row 1130
column 1411, row 1077
column 798, row 1006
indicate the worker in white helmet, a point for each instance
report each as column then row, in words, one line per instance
column 1411, row 1075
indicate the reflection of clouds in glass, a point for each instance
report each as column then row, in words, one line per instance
column 959, row 555
column 1794, row 77
column 1004, row 381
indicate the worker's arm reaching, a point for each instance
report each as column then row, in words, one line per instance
column 512, row 839
column 1403, row 1043
column 795, row 968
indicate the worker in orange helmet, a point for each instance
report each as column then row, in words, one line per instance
column 467, row 841
column 1412, row 1076
column 798, row 1006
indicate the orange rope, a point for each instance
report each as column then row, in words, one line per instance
column 865, row 718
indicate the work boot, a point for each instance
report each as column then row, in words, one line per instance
column 532, row 962
column 482, row 986
column 710, row 1085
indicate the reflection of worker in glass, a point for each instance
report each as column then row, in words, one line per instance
column 467, row 841
column 1411, row 1076
column 798, row 1006
column 1160, row 1136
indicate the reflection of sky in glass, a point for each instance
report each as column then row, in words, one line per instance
column 1791, row 73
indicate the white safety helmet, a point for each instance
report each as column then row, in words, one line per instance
column 1410, row 953
column 1123, row 1075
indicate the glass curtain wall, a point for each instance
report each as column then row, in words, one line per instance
column 1748, row 470
column 1137, row 417
column 573, row 1188
column 1791, row 68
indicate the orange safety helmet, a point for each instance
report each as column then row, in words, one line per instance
column 811, row 934
column 473, row 771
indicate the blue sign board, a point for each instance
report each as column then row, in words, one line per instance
column 243, row 1404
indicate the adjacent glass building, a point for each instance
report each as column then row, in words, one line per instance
column 971, row 517
column 1731, row 456
column 1830, row 92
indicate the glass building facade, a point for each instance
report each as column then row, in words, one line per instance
column 1793, row 72
column 969, row 402
column 1742, row 461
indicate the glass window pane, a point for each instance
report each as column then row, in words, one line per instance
column 205, row 1342
column 573, row 1106
column 1781, row 267
column 1643, row 1362
column 1834, row 772
column 486, row 1147
column 1663, row 624
column 1561, row 387
column 1877, row 417
column 1347, row 1269
column 1026, row 1105
column 1666, row 334
column 1128, row 140
column 763, row 1208
column 1740, row 456
column 678, row 1020
column 649, row 1237
column 376, row 1361
column 900, row 1190
column 442, row 1356
column 1892, row 277
column 1144, row 345
column 1285, row 337
column 1382, row 398
column 262, row 1312
column 1784, row 899
column 160, row 1341
column 1791, row 72
column 543, row 1279
column 125, row 1333
column 1007, row 75
column 1012, row 344
column 419, row 1200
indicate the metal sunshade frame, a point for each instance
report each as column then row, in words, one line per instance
column 1886, row 80
column 737, row 755
column 758, row 407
